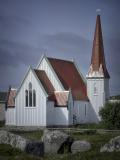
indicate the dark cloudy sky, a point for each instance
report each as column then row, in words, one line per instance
column 59, row 28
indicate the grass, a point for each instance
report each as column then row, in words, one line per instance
column 2, row 123
column 96, row 140
column 90, row 126
column 33, row 135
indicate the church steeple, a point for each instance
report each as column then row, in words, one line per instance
column 98, row 64
column 98, row 76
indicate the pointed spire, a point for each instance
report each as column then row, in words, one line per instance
column 98, row 59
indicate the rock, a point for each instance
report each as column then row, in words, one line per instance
column 56, row 142
column 13, row 139
column 35, row 148
column 80, row 146
column 112, row 145
column 16, row 141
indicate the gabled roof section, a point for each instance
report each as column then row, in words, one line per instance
column 11, row 98
column 60, row 98
column 98, row 59
column 70, row 77
column 42, row 76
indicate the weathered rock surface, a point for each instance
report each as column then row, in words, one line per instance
column 56, row 142
column 112, row 145
column 13, row 139
column 80, row 146
column 16, row 141
column 35, row 148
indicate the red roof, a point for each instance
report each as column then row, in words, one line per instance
column 42, row 76
column 98, row 57
column 70, row 78
column 60, row 98
column 11, row 98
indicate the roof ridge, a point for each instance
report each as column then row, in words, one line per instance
column 60, row 59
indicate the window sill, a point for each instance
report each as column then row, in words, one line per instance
column 30, row 107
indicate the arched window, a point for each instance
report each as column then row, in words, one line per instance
column 30, row 94
column 26, row 98
column 34, row 98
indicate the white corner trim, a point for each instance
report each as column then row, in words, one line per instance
column 54, row 73
column 39, row 82
column 42, row 57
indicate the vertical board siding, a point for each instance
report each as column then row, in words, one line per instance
column 31, row 116
column 10, row 116
column 97, row 100
column 80, row 107
column 56, row 115
column 44, row 66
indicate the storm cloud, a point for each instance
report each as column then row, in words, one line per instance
column 62, row 29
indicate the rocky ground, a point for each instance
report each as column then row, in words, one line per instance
column 65, row 144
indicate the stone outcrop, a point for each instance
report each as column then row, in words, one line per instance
column 35, row 148
column 56, row 141
column 16, row 141
column 112, row 145
column 80, row 146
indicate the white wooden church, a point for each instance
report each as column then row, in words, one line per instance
column 56, row 93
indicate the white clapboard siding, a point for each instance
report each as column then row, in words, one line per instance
column 10, row 116
column 44, row 65
column 31, row 116
column 56, row 115
column 97, row 98
column 81, row 111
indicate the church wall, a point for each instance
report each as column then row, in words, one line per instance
column 96, row 93
column 10, row 116
column 57, row 115
column 50, row 73
column 31, row 116
column 81, row 112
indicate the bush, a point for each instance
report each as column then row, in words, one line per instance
column 110, row 115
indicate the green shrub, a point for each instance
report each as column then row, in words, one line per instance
column 110, row 115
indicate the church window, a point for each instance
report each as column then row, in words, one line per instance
column 34, row 98
column 26, row 98
column 30, row 96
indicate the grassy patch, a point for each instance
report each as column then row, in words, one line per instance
column 2, row 123
column 33, row 135
column 90, row 126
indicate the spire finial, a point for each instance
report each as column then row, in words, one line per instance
column 98, row 11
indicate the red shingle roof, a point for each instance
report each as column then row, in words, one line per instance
column 42, row 76
column 98, row 57
column 70, row 78
column 60, row 98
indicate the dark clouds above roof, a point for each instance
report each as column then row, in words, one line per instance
column 63, row 29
